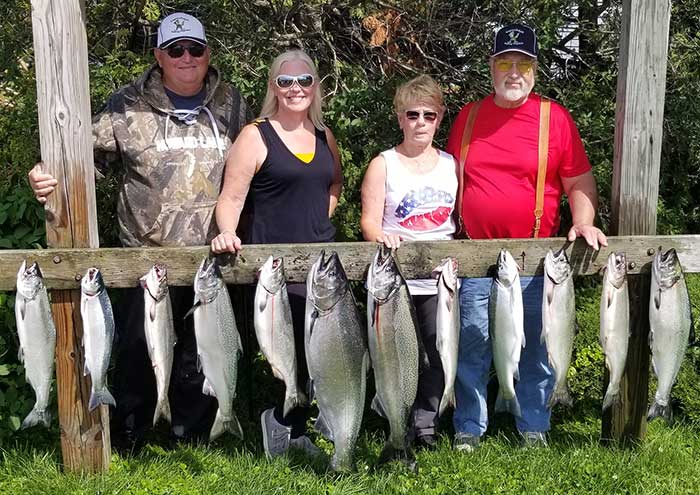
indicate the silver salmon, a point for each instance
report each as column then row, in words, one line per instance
column 160, row 334
column 615, row 324
column 98, row 335
column 37, row 339
column 337, row 356
column 670, row 323
column 394, row 350
column 218, row 345
column 272, row 318
column 448, row 325
column 506, row 327
column 558, row 322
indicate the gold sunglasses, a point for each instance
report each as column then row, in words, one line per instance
column 523, row 66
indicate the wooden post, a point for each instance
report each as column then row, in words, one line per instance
column 638, row 131
column 63, row 99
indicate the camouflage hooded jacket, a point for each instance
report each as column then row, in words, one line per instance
column 172, row 170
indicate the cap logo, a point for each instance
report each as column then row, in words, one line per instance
column 179, row 25
column 513, row 36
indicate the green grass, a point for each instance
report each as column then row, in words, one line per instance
column 575, row 463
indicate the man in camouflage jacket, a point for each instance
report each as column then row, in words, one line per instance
column 170, row 131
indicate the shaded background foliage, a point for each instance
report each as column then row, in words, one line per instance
column 364, row 49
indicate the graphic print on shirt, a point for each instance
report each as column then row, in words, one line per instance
column 425, row 209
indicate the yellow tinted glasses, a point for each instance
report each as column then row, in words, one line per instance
column 523, row 66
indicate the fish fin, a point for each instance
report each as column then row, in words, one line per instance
column 560, row 396
column 508, row 405
column 262, row 304
column 321, row 426
column 86, row 370
column 35, row 417
column 448, row 400
column 152, row 310
column 20, row 354
column 612, row 398
column 221, row 425
column 292, row 400
column 207, row 389
column 22, row 307
column 100, row 397
column 314, row 317
column 657, row 299
column 196, row 304
column 550, row 294
column 660, row 411
column 310, row 391
column 378, row 407
column 276, row 373
column 516, row 374
column 162, row 411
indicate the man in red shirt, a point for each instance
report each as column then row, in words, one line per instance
column 502, row 160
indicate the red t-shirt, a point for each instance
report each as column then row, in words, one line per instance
column 500, row 176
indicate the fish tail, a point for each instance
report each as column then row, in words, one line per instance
column 100, row 397
column 508, row 405
column 162, row 411
column 222, row 424
column 35, row 417
column 612, row 397
column 292, row 400
column 658, row 410
column 561, row 396
column 448, row 400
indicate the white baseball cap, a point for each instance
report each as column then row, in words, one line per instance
column 180, row 26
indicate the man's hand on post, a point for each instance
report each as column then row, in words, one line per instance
column 42, row 184
column 593, row 235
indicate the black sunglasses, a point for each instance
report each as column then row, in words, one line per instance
column 177, row 51
column 427, row 116
column 285, row 81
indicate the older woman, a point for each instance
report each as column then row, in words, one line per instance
column 285, row 168
column 408, row 193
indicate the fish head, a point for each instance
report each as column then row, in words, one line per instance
column 447, row 273
column 556, row 266
column 29, row 280
column 383, row 277
column 329, row 282
column 666, row 268
column 156, row 281
column 207, row 281
column 92, row 283
column 616, row 269
column 271, row 275
column 507, row 272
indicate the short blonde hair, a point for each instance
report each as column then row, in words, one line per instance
column 422, row 89
column 269, row 106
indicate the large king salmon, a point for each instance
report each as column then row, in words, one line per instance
column 337, row 357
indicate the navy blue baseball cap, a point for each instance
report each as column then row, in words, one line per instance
column 515, row 38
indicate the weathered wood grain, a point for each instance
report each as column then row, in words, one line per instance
column 639, row 112
column 63, row 100
column 122, row 267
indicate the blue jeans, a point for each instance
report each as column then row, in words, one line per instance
column 536, row 379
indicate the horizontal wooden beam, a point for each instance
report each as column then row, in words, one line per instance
column 122, row 267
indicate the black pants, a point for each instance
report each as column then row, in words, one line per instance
column 135, row 385
column 431, row 381
column 296, row 418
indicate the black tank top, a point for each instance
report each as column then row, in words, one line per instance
column 288, row 199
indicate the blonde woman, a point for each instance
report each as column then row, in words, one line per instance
column 285, row 169
column 408, row 193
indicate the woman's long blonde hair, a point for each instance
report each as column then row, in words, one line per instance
column 269, row 107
